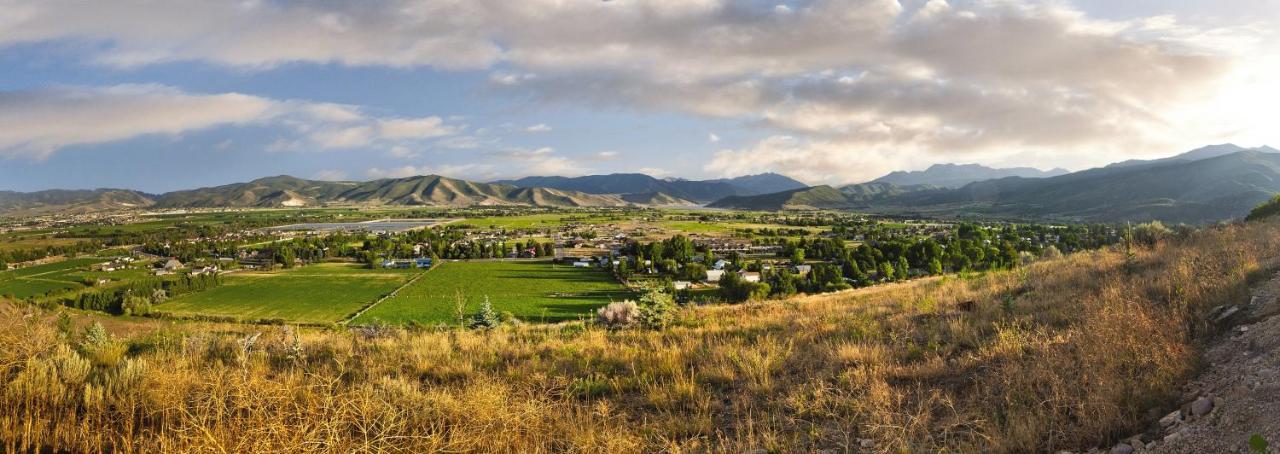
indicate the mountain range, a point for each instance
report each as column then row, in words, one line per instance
column 287, row 191
column 957, row 175
column 1204, row 185
column 638, row 183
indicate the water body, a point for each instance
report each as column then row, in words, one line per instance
column 378, row 226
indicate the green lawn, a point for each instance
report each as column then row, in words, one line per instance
column 313, row 294
column 533, row 291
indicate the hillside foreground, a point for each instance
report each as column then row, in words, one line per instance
column 1068, row 354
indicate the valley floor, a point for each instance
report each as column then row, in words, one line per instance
column 1065, row 354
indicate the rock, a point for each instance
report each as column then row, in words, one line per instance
column 1122, row 448
column 1137, row 443
column 1226, row 314
column 1170, row 419
column 1173, row 437
column 866, row 443
column 1201, row 406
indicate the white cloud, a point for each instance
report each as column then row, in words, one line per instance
column 607, row 155
column 540, row 127
column 37, row 123
column 539, row 161
column 713, row 138
column 654, row 171
column 414, row 128
column 962, row 76
column 821, row 162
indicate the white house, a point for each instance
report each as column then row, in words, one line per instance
column 714, row 275
column 749, row 276
column 803, row 269
column 681, row 285
column 720, row 264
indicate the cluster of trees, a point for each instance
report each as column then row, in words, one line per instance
column 37, row 253
column 884, row 255
column 138, row 297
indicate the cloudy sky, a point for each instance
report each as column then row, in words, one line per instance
column 167, row 94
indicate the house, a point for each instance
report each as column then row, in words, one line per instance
column 720, row 264
column 204, row 270
column 749, row 276
column 802, row 270
column 681, row 285
column 714, row 275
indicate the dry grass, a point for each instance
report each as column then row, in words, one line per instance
column 1059, row 355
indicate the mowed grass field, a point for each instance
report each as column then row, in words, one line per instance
column 320, row 293
column 41, row 279
column 534, row 291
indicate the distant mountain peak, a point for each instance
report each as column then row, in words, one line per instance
column 957, row 175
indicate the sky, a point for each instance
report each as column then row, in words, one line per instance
column 177, row 94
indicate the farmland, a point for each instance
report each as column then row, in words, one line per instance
column 322, row 293
column 42, row 279
column 529, row 290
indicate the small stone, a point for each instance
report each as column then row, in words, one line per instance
column 1137, row 443
column 1244, row 329
column 866, row 443
column 1170, row 419
column 1201, row 406
column 1122, row 448
column 1172, row 437
column 1226, row 314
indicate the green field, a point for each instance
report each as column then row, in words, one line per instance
column 41, row 279
column 533, row 291
column 314, row 294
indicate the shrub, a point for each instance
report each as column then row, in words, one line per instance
column 486, row 319
column 657, row 309
column 619, row 314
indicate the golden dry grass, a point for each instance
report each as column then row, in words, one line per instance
column 1058, row 355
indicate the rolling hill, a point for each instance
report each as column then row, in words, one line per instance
column 1186, row 191
column 637, row 183
column 1199, row 191
column 285, row 191
column 71, row 201
column 957, row 175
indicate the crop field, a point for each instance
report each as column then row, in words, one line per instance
column 34, row 242
column 532, row 221
column 41, row 279
column 314, row 294
column 533, row 291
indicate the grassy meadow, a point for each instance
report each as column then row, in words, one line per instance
column 41, row 279
column 323, row 293
column 532, row 290
column 1064, row 354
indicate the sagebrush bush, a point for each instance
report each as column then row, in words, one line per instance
column 619, row 314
